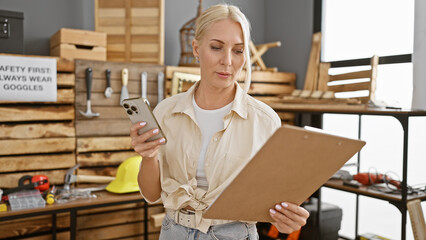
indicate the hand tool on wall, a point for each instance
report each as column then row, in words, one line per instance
column 144, row 80
column 160, row 79
column 124, row 81
column 72, row 178
column 108, row 90
column 89, row 113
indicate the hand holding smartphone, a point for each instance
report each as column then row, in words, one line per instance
column 138, row 110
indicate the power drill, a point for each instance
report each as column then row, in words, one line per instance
column 373, row 178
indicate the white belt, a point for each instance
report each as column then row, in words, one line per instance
column 187, row 218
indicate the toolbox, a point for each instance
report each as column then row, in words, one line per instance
column 330, row 221
column 11, row 32
column 78, row 44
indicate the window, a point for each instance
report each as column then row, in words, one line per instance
column 353, row 31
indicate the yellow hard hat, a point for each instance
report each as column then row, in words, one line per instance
column 126, row 179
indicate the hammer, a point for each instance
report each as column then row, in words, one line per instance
column 71, row 178
column 89, row 113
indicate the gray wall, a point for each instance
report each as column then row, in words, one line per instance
column 178, row 12
column 291, row 22
column 288, row 21
column 43, row 18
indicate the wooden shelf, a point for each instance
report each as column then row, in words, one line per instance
column 370, row 192
column 343, row 108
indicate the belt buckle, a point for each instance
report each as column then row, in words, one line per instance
column 186, row 218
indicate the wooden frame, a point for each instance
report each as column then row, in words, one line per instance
column 179, row 78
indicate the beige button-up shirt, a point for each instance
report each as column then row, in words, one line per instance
column 247, row 127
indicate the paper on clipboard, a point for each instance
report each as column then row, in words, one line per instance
column 291, row 166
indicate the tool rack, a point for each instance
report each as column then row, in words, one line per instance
column 403, row 116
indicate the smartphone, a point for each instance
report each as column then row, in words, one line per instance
column 138, row 110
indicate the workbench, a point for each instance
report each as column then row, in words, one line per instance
column 104, row 199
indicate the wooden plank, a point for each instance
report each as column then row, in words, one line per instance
column 99, row 85
column 36, row 162
column 286, row 116
column 152, row 210
column 103, row 158
column 135, row 69
column 99, row 171
column 59, row 235
column 36, row 130
column 273, row 89
column 110, row 208
column 64, row 96
column 145, row 47
column 105, row 127
column 116, row 47
column 323, row 78
column 417, row 219
column 65, row 79
column 78, row 37
column 351, row 75
column 110, row 4
column 98, row 144
column 373, row 77
column 128, row 26
column 107, row 112
column 111, row 13
column 350, row 87
column 149, row 30
column 272, row 77
column 115, row 30
column 31, row 225
column 109, row 218
column 98, row 99
column 118, row 231
column 145, row 12
column 145, row 21
column 40, row 113
column 144, row 39
column 153, row 236
column 43, row 145
column 114, row 39
column 161, row 35
column 311, row 78
column 74, row 52
column 112, row 22
column 257, row 76
column 10, row 180
column 145, row 3
column 64, row 65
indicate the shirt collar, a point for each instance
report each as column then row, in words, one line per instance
column 184, row 105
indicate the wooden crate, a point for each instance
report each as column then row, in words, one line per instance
column 104, row 142
column 265, row 86
column 39, row 137
column 78, row 44
column 135, row 29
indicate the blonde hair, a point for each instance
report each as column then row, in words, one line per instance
column 222, row 12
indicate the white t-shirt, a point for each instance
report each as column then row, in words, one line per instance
column 210, row 122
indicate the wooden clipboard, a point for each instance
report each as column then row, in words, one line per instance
column 291, row 166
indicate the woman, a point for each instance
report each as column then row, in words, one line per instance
column 213, row 130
